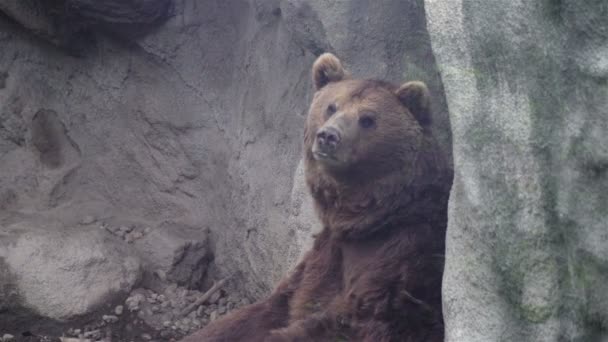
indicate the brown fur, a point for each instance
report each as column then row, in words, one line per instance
column 374, row 272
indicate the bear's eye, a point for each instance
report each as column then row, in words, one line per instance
column 331, row 109
column 367, row 122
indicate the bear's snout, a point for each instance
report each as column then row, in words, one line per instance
column 328, row 139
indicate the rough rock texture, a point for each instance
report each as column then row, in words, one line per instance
column 199, row 122
column 174, row 256
column 71, row 23
column 63, row 273
column 527, row 88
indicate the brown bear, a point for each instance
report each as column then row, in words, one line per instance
column 380, row 186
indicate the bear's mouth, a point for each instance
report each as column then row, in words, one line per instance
column 325, row 157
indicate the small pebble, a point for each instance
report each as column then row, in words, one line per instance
column 167, row 324
column 134, row 301
column 87, row 220
column 125, row 229
column 118, row 310
column 109, row 318
column 93, row 334
column 200, row 311
column 77, row 332
column 221, row 310
column 146, row 337
column 129, row 238
column 214, row 298
column 213, row 316
column 8, row 337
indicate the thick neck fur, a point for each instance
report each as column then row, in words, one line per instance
column 358, row 206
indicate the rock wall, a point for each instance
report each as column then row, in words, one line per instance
column 189, row 130
column 527, row 90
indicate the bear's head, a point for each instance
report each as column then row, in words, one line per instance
column 368, row 148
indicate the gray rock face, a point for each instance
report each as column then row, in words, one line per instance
column 199, row 122
column 64, row 273
column 527, row 88
column 176, row 253
column 71, row 24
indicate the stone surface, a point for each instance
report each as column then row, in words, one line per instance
column 64, row 273
column 199, row 122
column 527, row 88
column 182, row 253
column 72, row 24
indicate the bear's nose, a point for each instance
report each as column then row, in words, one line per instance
column 328, row 138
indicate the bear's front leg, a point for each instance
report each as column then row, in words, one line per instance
column 251, row 323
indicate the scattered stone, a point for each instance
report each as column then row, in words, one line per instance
column 167, row 324
column 133, row 302
column 118, row 310
column 213, row 316
column 7, row 338
column 214, row 298
column 125, row 229
column 110, row 319
column 72, row 339
column 129, row 238
column 146, row 337
column 93, row 334
column 221, row 310
column 200, row 311
column 222, row 301
column 77, row 332
column 87, row 220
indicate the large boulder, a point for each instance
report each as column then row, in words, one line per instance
column 527, row 85
column 62, row 273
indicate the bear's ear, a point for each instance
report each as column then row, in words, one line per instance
column 327, row 68
column 417, row 98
